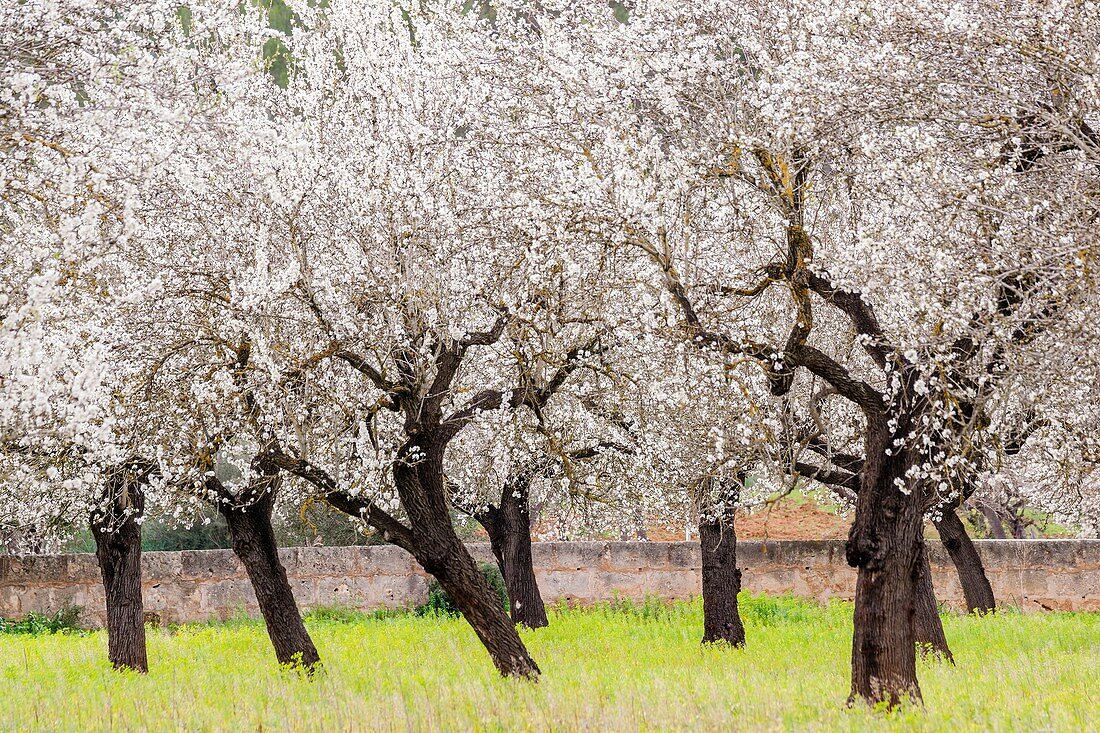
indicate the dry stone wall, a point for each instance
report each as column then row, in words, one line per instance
column 211, row 584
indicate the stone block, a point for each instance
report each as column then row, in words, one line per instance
column 288, row 557
column 35, row 569
column 322, row 562
column 685, row 555
column 1073, row 588
column 416, row 590
column 225, row 597
column 1087, row 553
column 577, row 555
column 542, row 554
column 82, row 596
column 481, row 552
column 1005, row 582
column 567, row 585
column 83, row 568
column 756, row 554
column 611, row 584
column 161, row 566
column 9, row 601
column 1033, row 582
column 210, row 564
column 174, row 601
column 34, row 598
column 805, row 553
column 774, row 581
column 386, row 560
column 999, row 553
column 673, row 583
column 636, row 556
column 1051, row 554
column 305, row 591
column 379, row 591
column 948, row 588
column 938, row 556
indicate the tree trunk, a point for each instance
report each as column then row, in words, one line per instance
column 968, row 563
column 118, row 549
column 996, row 526
column 927, row 625
column 418, row 475
column 884, row 544
column 254, row 543
column 509, row 529
column 454, row 568
column 721, row 577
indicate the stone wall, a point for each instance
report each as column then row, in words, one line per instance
column 205, row 584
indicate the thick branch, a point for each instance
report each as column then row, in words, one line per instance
column 836, row 479
column 355, row 506
column 847, row 386
column 861, row 314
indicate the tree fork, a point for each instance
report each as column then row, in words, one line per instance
column 118, row 549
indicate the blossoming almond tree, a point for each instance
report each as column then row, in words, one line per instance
column 793, row 165
column 365, row 246
column 79, row 80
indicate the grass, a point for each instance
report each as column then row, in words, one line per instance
column 620, row 666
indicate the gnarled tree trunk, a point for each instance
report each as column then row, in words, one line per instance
column 721, row 577
column 117, row 537
column 441, row 553
column 884, row 544
column 254, row 543
column 927, row 625
column 509, row 529
column 975, row 585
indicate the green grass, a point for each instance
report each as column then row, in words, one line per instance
column 615, row 667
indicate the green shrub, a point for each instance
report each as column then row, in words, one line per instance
column 64, row 621
column 440, row 603
column 345, row 615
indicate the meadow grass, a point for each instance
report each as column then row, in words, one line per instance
column 613, row 667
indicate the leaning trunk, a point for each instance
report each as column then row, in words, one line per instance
column 721, row 578
column 968, row 563
column 453, row 566
column 884, row 545
column 441, row 553
column 118, row 549
column 927, row 625
column 254, row 543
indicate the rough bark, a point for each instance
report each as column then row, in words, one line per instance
column 721, row 577
column 968, row 563
column 441, row 553
column 117, row 537
column 509, row 530
column 254, row 543
column 884, row 544
column 927, row 625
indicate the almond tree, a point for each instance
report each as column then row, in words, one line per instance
column 360, row 250
column 834, row 209
column 79, row 80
